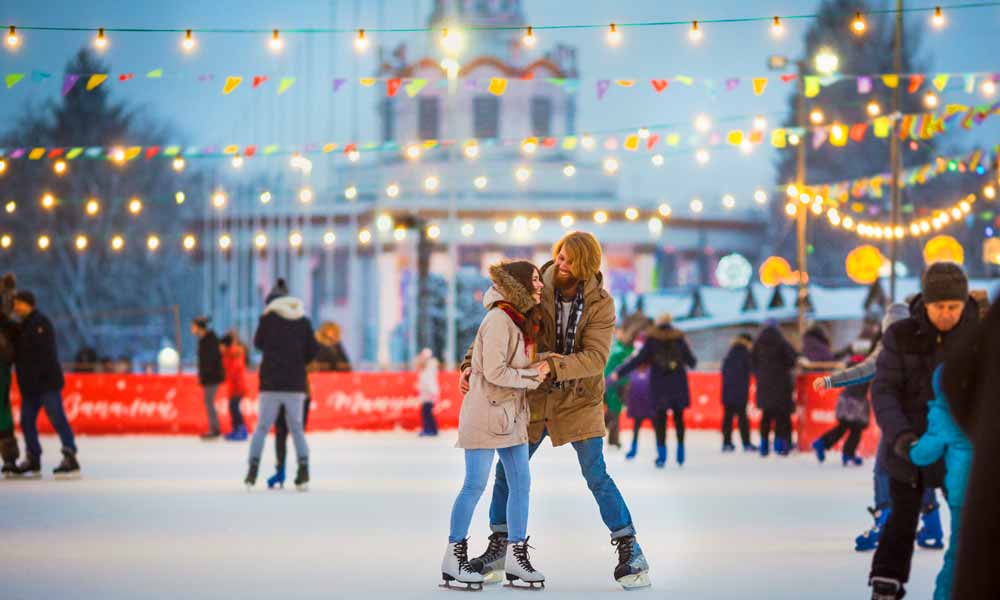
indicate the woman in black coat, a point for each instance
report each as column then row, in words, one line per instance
column 736, row 370
column 773, row 359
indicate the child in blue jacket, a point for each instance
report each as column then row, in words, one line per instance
column 944, row 438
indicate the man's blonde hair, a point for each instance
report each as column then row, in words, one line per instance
column 583, row 250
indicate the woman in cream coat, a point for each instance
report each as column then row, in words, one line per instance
column 495, row 417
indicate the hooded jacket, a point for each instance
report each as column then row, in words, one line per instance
column 669, row 386
column 736, row 371
column 773, row 360
column 285, row 338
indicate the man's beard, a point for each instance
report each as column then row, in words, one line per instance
column 565, row 282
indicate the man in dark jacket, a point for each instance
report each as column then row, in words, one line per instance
column 210, row 371
column 669, row 357
column 773, row 359
column 736, row 370
column 911, row 349
column 40, row 379
column 8, row 337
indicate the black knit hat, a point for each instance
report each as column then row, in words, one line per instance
column 944, row 281
column 26, row 297
column 280, row 289
column 201, row 322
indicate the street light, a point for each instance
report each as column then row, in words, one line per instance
column 826, row 62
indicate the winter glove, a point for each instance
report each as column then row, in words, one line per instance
column 902, row 444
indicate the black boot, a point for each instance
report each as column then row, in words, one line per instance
column 302, row 476
column 495, row 556
column 68, row 468
column 9, row 453
column 251, row 478
column 29, row 468
column 884, row 588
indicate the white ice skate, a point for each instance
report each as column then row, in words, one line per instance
column 632, row 572
column 519, row 568
column 455, row 568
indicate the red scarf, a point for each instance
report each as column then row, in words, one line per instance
column 519, row 320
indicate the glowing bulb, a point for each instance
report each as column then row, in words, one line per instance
column 399, row 234
column 471, row 150
column 500, row 227
column 392, row 190
column 189, row 242
column 237, row 162
column 5, row 241
column 480, row 182
column 265, row 197
column 3, row 166
column 611, row 165
column 746, row 147
column 644, row 133
column 534, row 224
column 413, row 152
column 989, row 88
column 135, row 206
column 792, row 190
column 44, row 242
column 914, row 229
column 930, row 100
column 519, row 224
column 938, row 20
column 117, row 243
column 260, row 240
column 990, row 192
column 219, row 200
column 13, row 41
column 817, row 209
column 729, row 202
column 153, row 243
column 567, row 221
column 529, row 39
column 10, row 207
column 760, row 197
column 588, row 142
column 118, row 155
column 696, row 206
column 276, row 43
column 92, row 207
column 956, row 213
column 101, row 41
column 702, row 123
column 569, row 170
column 858, row 26
column 665, row 210
column 48, row 201
column 702, row 157
column 384, row 222
column 805, row 198
column 900, row 232
column 816, row 116
column 529, row 146
column 188, row 42
column 874, row 109
column 848, row 223
column 452, row 41
column 794, row 139
column 354, row 156
column 178, row 164
column 777, row 29
column 80, row 242
column 361, row 42
column 657, row 160
column 838, row 133
column 791, row 209
column 925, row 227
column 351, row 192
column 433, row 232
column 695, row 34
column 329, row 238
column 614, row 36
column 431, row 183
column 522, row 174
column 655, row 226
column 468, row 229
column 759, row 123
column 295, row 239
column 305, row 195
column 600, row 217
column 827, row 62
column 631, row 213
column 225, row 241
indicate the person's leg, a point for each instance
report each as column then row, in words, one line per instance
column 267, row 415
column 783, row 430
column 53, row 403
column 880, row 483
column 833, row 435
column 945, row 578
column 765, row 431
column 209, row 399
column 660, row 427
column 30, row 405
column 425, row 425
column 235, row 416
column 294, row 405
column 280, row 437
column 515, row 462
column 477, row 473
column 727, row 426
column 501, row 492
column 611, row 422
column 636, row 426
column 306, row 409
column 895, row 549
column 853, row 439
column 614, row 512
column 679, row 426
column 744, row 422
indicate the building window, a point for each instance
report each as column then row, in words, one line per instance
column 486, row 117
column 428, row 119
column 541, row 116
column 388, row 118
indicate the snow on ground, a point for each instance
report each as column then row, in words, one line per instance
column 158, row 517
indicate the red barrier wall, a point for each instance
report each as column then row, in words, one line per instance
column 118, row 404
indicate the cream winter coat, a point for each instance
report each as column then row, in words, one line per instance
column 495, row 412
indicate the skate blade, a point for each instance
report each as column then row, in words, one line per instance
column 461, row 586
column 302, row 487
column 26, row 476
column 638, row 581
column 525, row 586
column 494, row 578
column 67, row 476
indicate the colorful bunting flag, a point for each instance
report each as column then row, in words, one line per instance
column 891, row 81
column 414, row 86
column 686, row 80
column 734, row 137
column 883, row 125
column 392, row 86
column 779, row 138
column 864, row 85
column 812, row 86
column 759, row 85
column 625, row 83
column 915, row 82
column 68, row 82
column 39, row 76
column 941, row 81
column 258, row 80
column 284, row 84
column 732, row 84
column 632, row 142
column 337, row 84
column 155, row 74
column 13, row 78
column 95, row 80
column 367, row 81
column 231, row 84
column 659, row 84
column 498, row 85
column 602, row 88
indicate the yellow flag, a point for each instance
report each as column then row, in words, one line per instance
column 231, row 149
column 632, row 142
column 231, row 84
column 367, row 81
column 779, row 138
column 132, row 152
column 954, row 109
column 328, row 148
column 74, row 153
column 36, row 153
column 734, row 137
column 891, row 81
column 569, row 143
column 625, row 83
column 882, row 127
column 759, row 85
column 95, row 80
column 812, row 87
column 941, row 82
column 673, row 139
column 498, row 85
column 838, row 135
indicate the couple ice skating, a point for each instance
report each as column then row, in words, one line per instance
column 536, row 369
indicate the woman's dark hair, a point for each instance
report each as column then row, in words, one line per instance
column 523, row 271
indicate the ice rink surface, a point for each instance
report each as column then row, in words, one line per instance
column 168, row 517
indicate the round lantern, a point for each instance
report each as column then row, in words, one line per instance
column 775, row 270
column 863, row 264
column 943, row 248
column 991, row 251
column 733, row 271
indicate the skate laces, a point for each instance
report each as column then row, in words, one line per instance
column 624, row 546
column 521, row 555
column 462, row 554
column 497, row 546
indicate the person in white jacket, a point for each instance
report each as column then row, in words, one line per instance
column 428, row 389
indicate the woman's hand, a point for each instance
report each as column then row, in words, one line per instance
column 543, row 369
column 463, row 381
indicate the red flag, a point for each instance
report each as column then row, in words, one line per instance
column 788, row 77
column 392, row 86
column 259, row 79
column 56, row 152
column 249, row 151
column 915, row 82
column 857, row 132
column 549, row 142
column 652, row 141
column 152, row 151
column 125, row 76
column 660, row 84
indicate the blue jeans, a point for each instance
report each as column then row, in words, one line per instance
column 590, row 453
column 881, row 481
column 235, row 416
column 52, row 402
column 430, row 426
column 477, row 473
column 269, row 403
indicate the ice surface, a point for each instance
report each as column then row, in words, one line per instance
column 158, row 517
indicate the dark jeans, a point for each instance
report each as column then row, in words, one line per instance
column 52, row 402
column 430, row 426
column 895, row 546
column 590, row 454
column 660, row 426
column 727, row 425
column 281, row 432
column 611, row 421
column 235, row 416
column 853, row 431
column 782, row 421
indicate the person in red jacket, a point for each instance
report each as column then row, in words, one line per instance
column 234, row 360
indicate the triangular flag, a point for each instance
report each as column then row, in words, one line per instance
column 392, row 86
column 413, row 87
column 13, row 78
column 891, row 81
column 367, row 81
column 953, row 109
column 904, row 128
column 759, row 85
column 171, row 150
column 732, row 83
column 258, row 80
column 95, row 80
column 734, row 137
column 337, row 84
column 632, row 142
column 756, row 136
column 126, row 76
column 625, row 83
column 206, row 77
column 941, row 81
column 36, row 153
column 498, row 85
column 557, row 81
column 812, row 86
column 74, row 152
column 652, row 141
column 152, row 151
column 970, row 84
column 527, row 76
column 789, row 77
column 231, row 84
column 286, row 82
column 858, row 131
column 68, row 82
column 686, row 80
column 602, row 88
column 779, row 138
column 838, row 135
column 882, row 126
column 155, row 74
column 659, row 84
column 864, row 85
column 471, row 84
column 132, row 152
column 569, row 142
column 819, row 137
column 37, row 76
column 915, row 82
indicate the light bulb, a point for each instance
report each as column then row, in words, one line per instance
column 990, row 192
column 276, row 43
column 665, row 210
column 655, row 226
column 777, row 29
column 816, row 116
column 59, row 167
column 361, row 42
column 179, row 197
column 600, row 217
column 471, row 150
column 480, row 182
column 529, row 146
column 81, row 243
column 791, row 209
column 728, row 202
column 153, row 242
column 930, row 100
column 237, row 162
column 433, row 232
column 117, row 243
column 938, row 20
column 657, row 160
column 118, row 155
column 522, row 174
column 295, row 239
column 265, row 197
column 260, row 240
column 13, row 41
column 759, row 123
column 702, row 123
column 413, row 152
column 305, row 195
column 10, row 207
column 858, row 26
column 569, row 170
column 101, row 41
column 92, row 207
column 644, row 133
column 500, row 227
column 354, row 156
column 826, row 61
column 431, row 183
column 392, row 190
column 631, row 213
column 702, row 157
column 364, row 236
column 611, row 165
column 189, row 242
column 566, row 221
column 452, row 41
column 696, row 205
column 44, row 242
column 399, row 234
column 5, row 241
column 135, row 206
column 529, row 39
column 468, row 229
column 760, row 197
column 989, row 88
column 329, row 238
column 874, row 109
column 3, row 166
column 48, row 201
column 384, row 222
column 614, row 36
column 588, row 142
column 225, row 241
column 219, row 200
column 534, row 224
column 695, row 34
column 351, row 192
column 178, row 164
column 188, row 43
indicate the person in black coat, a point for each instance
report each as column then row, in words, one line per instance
column 940, row 318
column 9, row 451
column 773, row 360
column 211, row 374
column 667, row 353
column 736, row 370
column 40, row 379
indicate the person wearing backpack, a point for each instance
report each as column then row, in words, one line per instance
column 667, row 353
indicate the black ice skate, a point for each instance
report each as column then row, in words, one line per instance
column 251, row 478
column 519, row 568
column 9, row 453
column 455, row 568
column 69, row 468
column 302, row 476
column 29, row 468
column 491, row 563
column 884, row 588
column 632, row 572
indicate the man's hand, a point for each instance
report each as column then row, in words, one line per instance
column 820, row 384
column 902, row 444
column 613, row 378
column 463, row 380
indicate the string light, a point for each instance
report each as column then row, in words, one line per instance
column 791, row 209
column 611, row 165
column 817, row 208
column 295, row 239
column 92, row 207
column 746, row 147
column 989, row 88
column 858, row 25
column 529, row 39
column 990, row 192
column 383, row 222
column 135, row 206
column 305, row 195
column 59, row 167
column 351, row 192
column 44, row 242
column 644, row 133
column 399, row 234
column 452, row 41
column 101, row 41
column 760, row 197
column 695, row 35
column 702, row 123
column 189, row 242
column 353, row 156
column 826, row 61
column 655, row 226
column 816, row 116
column 265, row 197
column 500, row 227
column 534, row 224
column 3, row 166
column 118, row 155
column 930, row 100
column 631, row 213
column 614, row 36
column 117, row 243
column 433, row 232
column 566, row 221
column 728, row 202
column 938, row 20
column 80, row 243
column 276, row 43
column 874, row 109
column 5, row 241
column 329, row 238
column 468, row 229
column 392, row 190
column 180, row 197
column 153, row 242
column 665, row 210
column 759, row 123
column 702, row 156
column 794, row 139
column 600, row 217
column 471, row 150
column 361, row 42
column 480, row 182
column 225, row 241
column 569, row 170
column 522, row 174
column 13, row 41
column 657, row 160
column 237, row 162
column 529, row 146
column 219, row 200
column 364, row 236
column 588, row 142
column 260, row 240
column 413, row 152
column 696, row 205
column 48, row 201
column 777, row 29
column 188, row 43
column 178, row 164
column 431, row 183
column 10, row 207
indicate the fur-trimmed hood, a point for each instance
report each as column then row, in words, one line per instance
column 286, row 307
column 742, row 341
column 664, row 333
column 505, row 287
